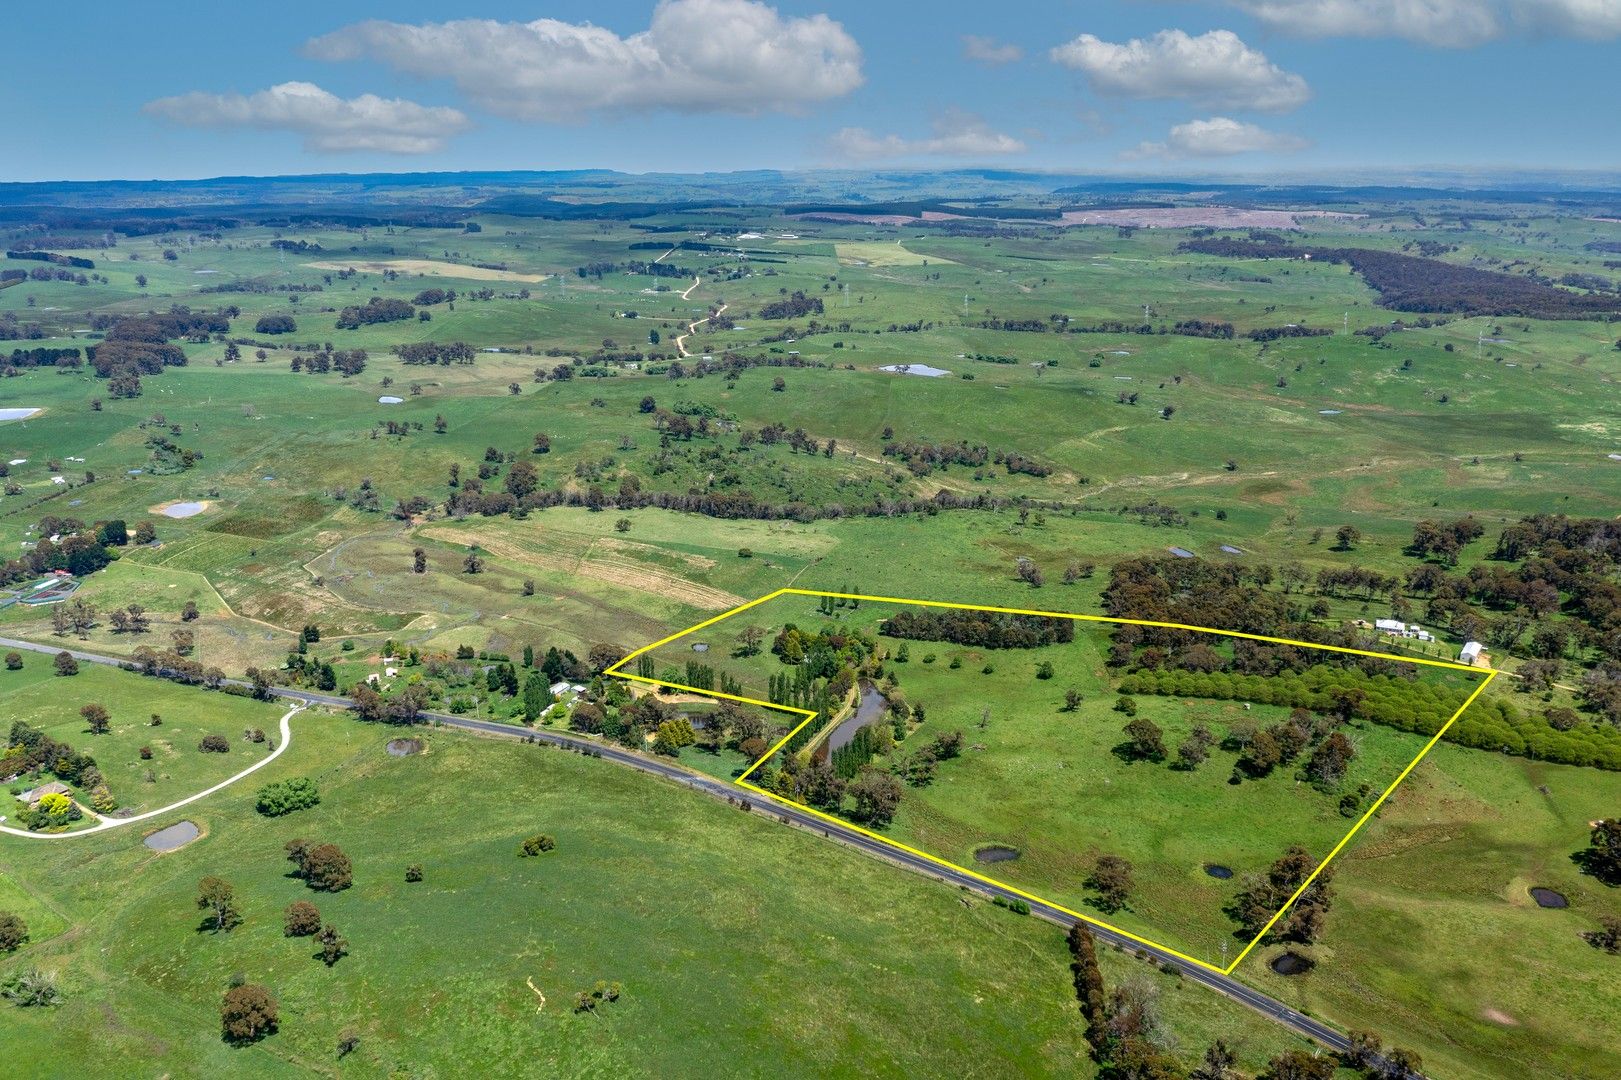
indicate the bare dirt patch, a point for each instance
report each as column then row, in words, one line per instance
column 430, row 268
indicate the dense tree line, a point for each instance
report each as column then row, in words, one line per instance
column 1414, row 283
column 730, row 505
column 983, row 629
column 441, row 353
column 1406, row 704
column 794, row 306
column 1279, row 333
column 52, row 257
column 346, row 362
column 923, row 458
column 69, row 357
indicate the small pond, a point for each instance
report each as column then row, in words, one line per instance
column 18, row 414
column 1291, row 963
column 404, row 747
column 1216, row 870
column 1547, row 898
column 869, row 710
column 916, row 369
column 994, row 853
column 177, row 835
column 183, row 509
column 1181, row 553
column 389, row 399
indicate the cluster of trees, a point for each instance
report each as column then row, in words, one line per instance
column 983, row 629
column 441, row 353
column 378, row 309
column 403, row 706
column 1260, row 749
column 1406, row 704
column 170, row 664
column 1264, row 895
column 79, row 554
column 139, row 346
column 1203, row 328
column 1279, row 333
column 346, row 362
column 823, row 652
column 30, row 751
column 1124, row 1029
column 1414, row 283
column 795, row 306
column 275, row 324
column 923, row 458
column 61, row 358
column 323, row 867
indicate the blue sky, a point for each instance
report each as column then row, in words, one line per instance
column 191, row 89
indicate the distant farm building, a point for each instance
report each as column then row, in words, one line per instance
column 1397, row 628
column 1474, row 654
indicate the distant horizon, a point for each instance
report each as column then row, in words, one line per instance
column 1434, row 175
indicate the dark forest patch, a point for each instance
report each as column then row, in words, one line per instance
column 264, row 520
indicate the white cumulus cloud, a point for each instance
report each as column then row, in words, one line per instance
column 1219, row 136
column 1443, row 23
column 733, row 56
column 1215, row 69
column 1593, row 19
column 990, row 51
column 329, row 124
column 1456, row 23
column 955, row 134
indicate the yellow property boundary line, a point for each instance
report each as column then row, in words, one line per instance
column 810, row 714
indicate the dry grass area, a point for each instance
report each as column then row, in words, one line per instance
column 430, row 268
column 615, row 571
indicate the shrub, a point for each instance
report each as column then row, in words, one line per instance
column 248, row 1013
column 413, row 873
column 1015, row 905
column 327, row 868
column 300, row 919
column 215, row 744
column 538, row 844
column 588, row 1000
column 31, row 987
column 287, row 796
column 13, row 932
